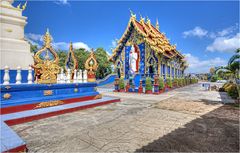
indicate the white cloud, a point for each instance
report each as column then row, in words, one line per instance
column 197, row 32
column 78, row 45
column 202, row 66
column 37, row 39
column 65, row 45
column 34, row 37
column 225, row 44
column 62, row 2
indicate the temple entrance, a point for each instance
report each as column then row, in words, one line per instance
column 119, row 69
column 152, row 68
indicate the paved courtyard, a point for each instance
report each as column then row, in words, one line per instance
column 183, row 120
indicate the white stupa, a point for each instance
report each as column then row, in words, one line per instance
column 14, row 49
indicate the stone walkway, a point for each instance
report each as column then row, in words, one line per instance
column 183, row 120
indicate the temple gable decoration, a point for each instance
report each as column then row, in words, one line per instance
column 46, row 62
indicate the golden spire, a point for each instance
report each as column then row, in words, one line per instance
column 157, row 25
column 71, row 46
column 47, row 39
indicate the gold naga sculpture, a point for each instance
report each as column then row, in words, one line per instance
column 91, row 66
column 46, row 67
column 71, row 61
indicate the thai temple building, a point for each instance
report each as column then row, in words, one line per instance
column 144, row 51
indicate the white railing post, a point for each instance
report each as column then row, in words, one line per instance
column 85, row 76
column 79, row 77
column 61, row 76
column 6, row 77
column 75, row 76
column 68, row 75
column 30, row 77
column 19, row 76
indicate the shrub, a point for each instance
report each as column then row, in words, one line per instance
column 169, row 82
column 232, row 91
column 161, row 83
column 148, row 84
column 121, row 83
column 175, row 82
column 180, row 82
column 214, row 78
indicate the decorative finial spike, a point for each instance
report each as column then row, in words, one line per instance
column 157, row 25
column 71, row 46
column 132, row 14
column 24, row 6
column 19, row 5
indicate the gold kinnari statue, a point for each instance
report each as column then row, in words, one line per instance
column 46, row 66
column 91, row 66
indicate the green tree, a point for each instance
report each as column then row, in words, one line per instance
column 232, row 69
column 62, row 58
column 81, row 55
column 104, row 66
column 33, row 48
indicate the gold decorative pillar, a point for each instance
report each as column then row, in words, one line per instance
column 91, row 66
column 46, row 66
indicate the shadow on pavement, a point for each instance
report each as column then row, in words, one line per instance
column 216, row 131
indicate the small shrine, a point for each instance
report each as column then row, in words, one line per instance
column 145, row 51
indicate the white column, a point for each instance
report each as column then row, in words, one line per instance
column 6, row 77
column 68, row 75
column 30, row 77
column 75, row 76
column 19, row 76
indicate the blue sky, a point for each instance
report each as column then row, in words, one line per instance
column 206, row 32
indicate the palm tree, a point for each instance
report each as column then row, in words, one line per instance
column 232, row 68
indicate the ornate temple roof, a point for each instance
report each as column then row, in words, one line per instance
column 152, row 36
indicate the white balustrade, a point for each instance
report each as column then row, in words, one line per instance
column 75, row 76
column 30, row 77
column 85, row 76
column 19, row 76
column 68, row 75
column 62, row 80
column 79, row 77
column 6, row 77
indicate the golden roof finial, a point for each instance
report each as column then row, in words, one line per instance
column 141, row 18
column 47, row 39
column 19, row 5
column 157, row 25
column 132, row 14
column 24, row 6
column 148, row 20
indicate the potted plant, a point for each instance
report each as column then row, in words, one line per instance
column 121, row 85
column 180, row 82
column 148, row 85
column 169, row 82
column 175, row 82
column 161, row 85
